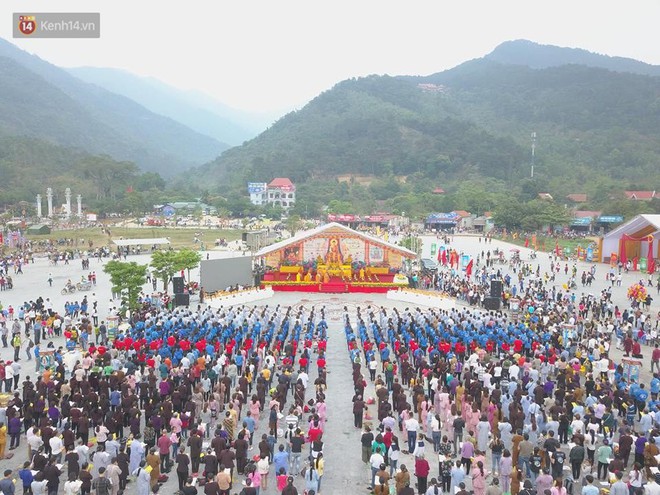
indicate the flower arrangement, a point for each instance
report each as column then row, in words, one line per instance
column 357, row 265
column 637, row 292
column 310, row 265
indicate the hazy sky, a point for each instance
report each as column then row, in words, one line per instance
column 270, row 55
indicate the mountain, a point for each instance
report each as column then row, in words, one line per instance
column 596, row 130
column 42, row 101
column 537, row 56
column 199, row 112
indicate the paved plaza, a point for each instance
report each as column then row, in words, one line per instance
column 344, row 471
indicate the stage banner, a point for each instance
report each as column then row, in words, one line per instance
column 631, row 368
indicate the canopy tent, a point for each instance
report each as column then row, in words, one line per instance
column 141, row 242
column 636, row 239
column 308, row 234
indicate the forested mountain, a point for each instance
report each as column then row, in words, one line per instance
column 42, row 101
column 28, row 166
column 208, row 116
column 476, row 118
column 537, row 56
column 469, row 126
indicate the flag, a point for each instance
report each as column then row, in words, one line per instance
column 468, row 268
column 556, row 248
column 650, row 260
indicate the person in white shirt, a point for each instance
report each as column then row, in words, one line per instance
column 9, row 377
column 375, row 461
column 412, row 426
column 34, row 441
column 577, row 425
column 56, row 446
column 514, row 371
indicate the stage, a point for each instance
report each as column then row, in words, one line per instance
column 286, row 282
column 334, row 259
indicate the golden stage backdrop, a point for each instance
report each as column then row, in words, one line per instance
column 338, row 247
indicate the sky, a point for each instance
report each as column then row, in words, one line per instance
column 276, row 55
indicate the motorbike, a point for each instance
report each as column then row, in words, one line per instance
column 68, row 289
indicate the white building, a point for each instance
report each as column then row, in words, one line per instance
column 257, row 192
column 282, row 192
column 279, row 192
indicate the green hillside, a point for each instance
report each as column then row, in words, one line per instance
column 596, row 133
column 43, row 101
column 28, row 166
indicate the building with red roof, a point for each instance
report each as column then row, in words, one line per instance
column 640, row 195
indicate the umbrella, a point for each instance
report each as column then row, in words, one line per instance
column 123, row 327
column 515, row 250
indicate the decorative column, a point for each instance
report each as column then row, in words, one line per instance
column 79, row 198
column 49, row 197
column 38, row 205
column 67, row 196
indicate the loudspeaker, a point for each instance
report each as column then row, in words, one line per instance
column 182, row 299
column 496, row 288
column 492, row 303
column 177, row 282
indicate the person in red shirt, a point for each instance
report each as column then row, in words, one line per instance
column 655, row 358
column 517, row 346
column 320, row 362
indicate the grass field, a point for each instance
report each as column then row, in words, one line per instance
column 179, row 237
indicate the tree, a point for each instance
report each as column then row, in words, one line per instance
column 187, row 259
column 165, row 265
column 293, row 224
column 127, row 279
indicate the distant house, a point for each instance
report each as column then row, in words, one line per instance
column 38, row 229
column 640, row 195
column 281, row 192
column 438, row 190
column 183, row 208
column 577, row 198
column 546, row 196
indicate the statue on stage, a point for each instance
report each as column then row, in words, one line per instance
column 334, row 256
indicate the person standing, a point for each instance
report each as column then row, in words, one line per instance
column 143, row 479
column 7, row 486
column 16, row 344
column 422, row 470
column 576, row 457
column 164, row 443
column 183, row 467
column 479, row 479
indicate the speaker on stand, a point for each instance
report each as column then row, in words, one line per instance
column 177, row 283
column 496, row 288
column 182, row 299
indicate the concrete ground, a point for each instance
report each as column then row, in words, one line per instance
column 344, row 470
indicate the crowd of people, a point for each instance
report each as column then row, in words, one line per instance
column 506, row 403
column 223, row 398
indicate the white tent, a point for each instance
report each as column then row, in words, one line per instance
column 141, row 242
column 642, row 229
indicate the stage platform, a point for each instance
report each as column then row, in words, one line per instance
column 280, row 282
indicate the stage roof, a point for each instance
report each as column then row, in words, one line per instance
column 301, row 236
column 141, row 242
column 639, row 226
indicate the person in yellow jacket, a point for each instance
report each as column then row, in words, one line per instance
column 3, row 440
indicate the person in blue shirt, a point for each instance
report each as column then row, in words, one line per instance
column 281, row 460
column 655, row 386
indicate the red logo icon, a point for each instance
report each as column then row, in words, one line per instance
column 27, row 24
